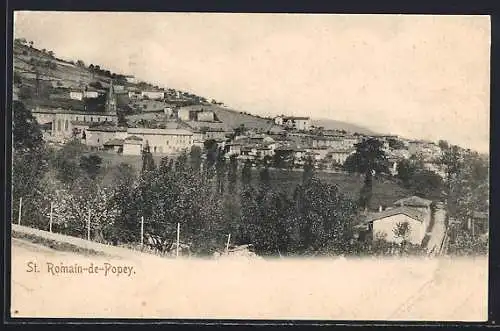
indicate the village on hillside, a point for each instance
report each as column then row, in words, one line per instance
column 403, row 188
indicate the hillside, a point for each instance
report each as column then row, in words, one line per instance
column 338, row 125
column 40, row 73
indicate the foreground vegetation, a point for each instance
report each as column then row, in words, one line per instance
column 212, row 197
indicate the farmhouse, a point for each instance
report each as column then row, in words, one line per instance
column 383, row 224
column 424, row 206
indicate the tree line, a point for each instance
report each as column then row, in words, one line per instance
column 210, row 195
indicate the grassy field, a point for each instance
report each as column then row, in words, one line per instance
column 385, row 191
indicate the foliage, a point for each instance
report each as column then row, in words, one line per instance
column 26, row 132
column 91, row 164
column 368, row 159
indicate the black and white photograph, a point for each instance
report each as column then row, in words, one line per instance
column 250, row 166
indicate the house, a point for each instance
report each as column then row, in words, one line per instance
column 205, row 116
column 232, row 149
column 131, row 79
column 134, row 95
column 384, row 223
column 294, row 122
column 114, row 145
column 153, row 95
column 96, row 136
column 90, row 94
column 132, row 145
column 422, row 205
column 76, row 95
column 164, row 141
column 184, row 114
column 339, row 156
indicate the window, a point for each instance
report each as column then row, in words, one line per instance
column 58, row 125
column 77, row 118
column 154, row 149
column 66, row 125
column 97, row 139
column 98, row 119
column 91, row 119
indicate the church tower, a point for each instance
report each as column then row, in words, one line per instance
column 111, row 99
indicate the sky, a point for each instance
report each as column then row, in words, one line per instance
column 418, row 76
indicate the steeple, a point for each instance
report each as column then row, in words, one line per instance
column 111, row 99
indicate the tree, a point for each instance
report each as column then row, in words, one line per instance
column 233, row 174
column 265, row 177
column 246, row 173
column 148, row 163
column 91, row 164
column 402, row 231
column 80, row 63
column 29, row 164
column 26, row 131
column 426, row 183
column 308, row 173
column 66, row 161
column 195, row 158
column 405, row 171
column 50, row 53
column 322, row 221
column 220, row 170
column 368, row 159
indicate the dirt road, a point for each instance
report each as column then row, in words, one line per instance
column 278, row 289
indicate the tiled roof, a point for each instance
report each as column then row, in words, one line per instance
column 114, row 142
column 413, row 201
column 410, row 212
column 160, row 131
column 134, row 138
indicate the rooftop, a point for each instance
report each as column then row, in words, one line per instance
column 133, row 138
column 159, row 131
column 410, row 212
column 114, row 142
column 413, row 201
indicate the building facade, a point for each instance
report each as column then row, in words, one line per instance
column 164, row 141
column 294, row 122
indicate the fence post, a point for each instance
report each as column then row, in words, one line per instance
column 20, row 210
column 50, row 221
column 142, row 232
column 88, row 226
column 177, row 248
column 227, row 244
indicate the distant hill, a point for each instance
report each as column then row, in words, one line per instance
column 338, row 125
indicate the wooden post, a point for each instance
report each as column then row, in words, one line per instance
column 88, row 226
column 142, row 231
column 177, row 248
column 51, row 211
column 20, row 210
column 227, row 244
